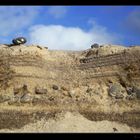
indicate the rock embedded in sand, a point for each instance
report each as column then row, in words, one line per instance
column 116, row 90
column 55, row 87
column 4, row 98
column 40, row 90
column 26, row 99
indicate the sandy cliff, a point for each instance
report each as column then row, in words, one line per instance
column 100, row 83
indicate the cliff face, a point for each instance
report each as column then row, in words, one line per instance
column 105, row 79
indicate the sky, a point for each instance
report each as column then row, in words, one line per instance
column 71, row 27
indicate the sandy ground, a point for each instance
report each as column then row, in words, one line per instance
column 73, row 122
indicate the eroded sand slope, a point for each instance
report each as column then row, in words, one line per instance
column 102, row 84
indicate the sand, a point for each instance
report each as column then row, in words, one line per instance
column 73, row 122
column 33, row 65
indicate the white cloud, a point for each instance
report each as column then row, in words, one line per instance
column 13, row 18
column 57, row 11
column 69, row 38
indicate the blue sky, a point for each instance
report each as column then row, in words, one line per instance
column 71, row 27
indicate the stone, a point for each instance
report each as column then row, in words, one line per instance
column 55, row 87
column 40, row 91
column 4, row 98
column 71, row 93
column 19, row 40
column 129, row 90
column 115, row 90
column 26, row 98
column 95, row 45
column 39, row 47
